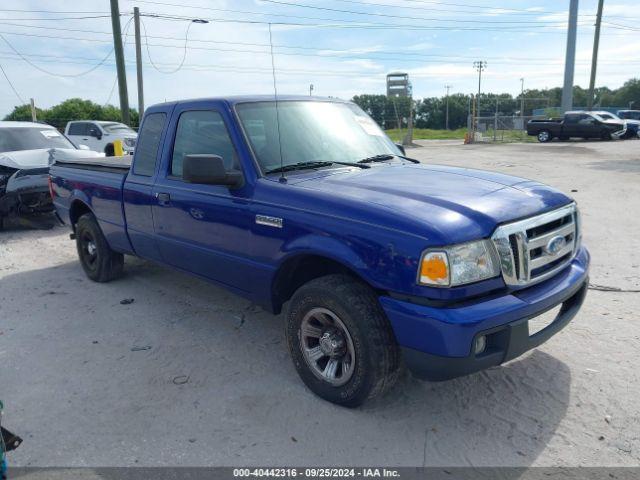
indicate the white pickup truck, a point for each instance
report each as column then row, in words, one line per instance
column 100, row 135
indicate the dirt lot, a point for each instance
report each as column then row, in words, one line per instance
column 188, row 374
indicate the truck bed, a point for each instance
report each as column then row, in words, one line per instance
column 97, row 183
column 120, row 165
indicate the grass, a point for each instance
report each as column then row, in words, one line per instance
column 502, row 136
column 509, row 136
column 427, row 134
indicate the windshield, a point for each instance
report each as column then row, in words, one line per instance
column 607, row 116
column 13, row 139
column 117, row 128
column 312, row 132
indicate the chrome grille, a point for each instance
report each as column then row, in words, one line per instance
column 536, row 248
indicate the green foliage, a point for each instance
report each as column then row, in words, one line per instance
column 72, row 109
column 430, row 113
column 388, row 112
column 427, row 134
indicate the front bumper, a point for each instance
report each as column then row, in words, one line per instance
column 437, row 341
column 26, row 192
column 619, row 134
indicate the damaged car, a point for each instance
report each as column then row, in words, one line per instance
column 26, row 151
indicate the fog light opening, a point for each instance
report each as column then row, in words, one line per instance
column 480, row 344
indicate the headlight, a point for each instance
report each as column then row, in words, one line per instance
column 459, row 264
column 130, row 142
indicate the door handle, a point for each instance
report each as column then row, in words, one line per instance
column 164, row 199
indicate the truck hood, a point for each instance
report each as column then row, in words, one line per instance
column 615, row 123
column 454, row 203
column 41, row 158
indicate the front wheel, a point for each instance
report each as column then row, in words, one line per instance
column 605, row 135
column 544, row 136
column 99, row 262
column 340, row 340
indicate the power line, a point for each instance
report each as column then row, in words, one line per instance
column 449, row 58
column 63, row 75
column 340, row 21
column 184, row 55
column 62, row 12
column 388, row 15
column 361, row 26
column 181, row 39
column 48, row 72
column 352, row 54
column 11, row 85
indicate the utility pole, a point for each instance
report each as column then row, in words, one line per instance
column 495, row 120
column 34, row 116
column 522, row 97
column 570, row 61
column 136, row 24
column 446, row 125
column 310, row 89
column 594, row 58
column 119, row 52
column 479, row 65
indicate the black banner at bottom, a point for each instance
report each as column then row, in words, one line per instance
column 404, row 473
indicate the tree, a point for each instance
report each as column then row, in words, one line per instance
column 72, row 109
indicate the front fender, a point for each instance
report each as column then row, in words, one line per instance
column 324, row 246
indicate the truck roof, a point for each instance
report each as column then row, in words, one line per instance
column 234, row 99
column 15, row 124
column 101, row 122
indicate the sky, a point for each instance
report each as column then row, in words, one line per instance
column 52, row 50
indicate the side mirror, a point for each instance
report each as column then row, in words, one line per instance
column 209, row 170
column 95, row 133
column 401, row 148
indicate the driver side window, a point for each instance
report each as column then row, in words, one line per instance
column 586, row 120
column 202, row 131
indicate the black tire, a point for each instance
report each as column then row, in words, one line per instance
column 110, row 150
column 377, row 356
column 544, row 136
column 99, row 262
column 605, row 135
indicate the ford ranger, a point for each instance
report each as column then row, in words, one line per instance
column 305, row 205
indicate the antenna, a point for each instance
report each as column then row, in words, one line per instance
column 275, row 90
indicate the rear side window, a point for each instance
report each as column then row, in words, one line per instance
column 78, row 128
column 148, row 144
column 202, row 131
column 572, row 118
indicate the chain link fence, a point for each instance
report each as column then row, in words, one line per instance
column 499, row 128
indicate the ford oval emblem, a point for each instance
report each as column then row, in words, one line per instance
column 555, row 245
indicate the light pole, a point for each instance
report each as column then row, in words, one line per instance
column 310, row 89
column 446, row 124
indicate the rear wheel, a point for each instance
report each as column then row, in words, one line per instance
column 99, row 262
column 544, row 136
column 340, row 340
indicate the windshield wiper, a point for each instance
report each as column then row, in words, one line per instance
column 315, row 164
column 384, row 157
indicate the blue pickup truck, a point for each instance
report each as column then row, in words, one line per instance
column 380, row 262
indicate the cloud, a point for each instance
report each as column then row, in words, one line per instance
column 233, row 58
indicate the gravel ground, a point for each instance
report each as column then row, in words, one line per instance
column 189, row 375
